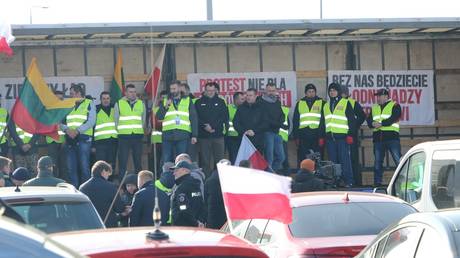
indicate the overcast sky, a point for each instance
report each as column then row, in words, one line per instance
column 90, row 11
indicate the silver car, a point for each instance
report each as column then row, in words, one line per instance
column 53, row 209
column 419, row 235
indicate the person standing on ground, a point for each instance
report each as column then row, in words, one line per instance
column 384, row 122
column 45, row 175
column 232, row 138
column 144, row 201
column 101, row 192
column 56, row 149
column 180, row 123
column 212, row 119
column 306, row 123
column 339, row 126
column 78, row 128
column 360, row 117
column 130, row 117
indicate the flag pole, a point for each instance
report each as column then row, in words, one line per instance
column 115, row 197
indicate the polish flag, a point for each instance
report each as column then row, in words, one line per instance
column 247, row 151
column 255, row 194
column 6, row 38
column 151, row 87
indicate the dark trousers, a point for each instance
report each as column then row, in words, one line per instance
column 155, row 160
column 124, row 146
column 380, row 148
column 211, row 151
column 107, row 151
column 339, row 152
column 57, row 152
column 286, row 158
column 78, row 155
column 356, row 167
column 306, row 145
column 170, row 149
column 233, row 145
column 4, row 149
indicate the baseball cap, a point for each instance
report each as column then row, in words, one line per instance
column 382, row 92
column 183, row 164
column 20, row 174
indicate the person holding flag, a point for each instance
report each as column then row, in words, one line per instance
column 56, row 149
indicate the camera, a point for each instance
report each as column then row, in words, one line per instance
column 329, row 172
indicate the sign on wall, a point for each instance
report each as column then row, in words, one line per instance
column 10, row 87
column 232, row 82
column 412, row 89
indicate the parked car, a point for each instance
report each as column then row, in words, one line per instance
column 53, row 209
column 325, row 224
column 430, row 234
column 426, row 176
column 133, row 242
column 16, row 240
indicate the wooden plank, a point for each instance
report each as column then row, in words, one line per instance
column 181, row 76
column 447, row 71
column 312, row 74
column 130, row 77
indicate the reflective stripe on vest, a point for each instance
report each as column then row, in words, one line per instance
column 3, row 117
column 155, row 137
column 336, row 122
column 284, row 133
column 25, row 136
column 378, row 115
column 177, row 119
column 79, row 116
column 161, row 187
column 130, row 119
column 60, row 140
column 105, row 125
column 231, row 115
column 310, row 118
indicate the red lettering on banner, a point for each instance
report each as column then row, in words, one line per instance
column 225, row 84
column 285, row 97
column 404, row 113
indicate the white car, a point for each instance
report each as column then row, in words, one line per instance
column 53, row 209
column 426, row 176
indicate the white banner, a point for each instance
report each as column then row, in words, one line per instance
column 412, row 89
column 9, row 87
column 232, row 82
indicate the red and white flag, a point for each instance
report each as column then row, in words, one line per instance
column 151, row 87
column 6, row 38
column 247, row 151
column 254, row 194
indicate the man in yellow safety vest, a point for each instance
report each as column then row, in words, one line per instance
column 232, row 138
column 384, row 121
column 4, row 117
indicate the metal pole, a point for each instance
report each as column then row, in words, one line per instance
column 321, row 9
column 30, row 14
column 209, row 10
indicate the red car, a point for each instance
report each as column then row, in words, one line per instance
column 133, row 242
column 325, row 224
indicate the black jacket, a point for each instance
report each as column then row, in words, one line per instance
column 187, row 206
column 305, row 181
column 212, row 111
column 142, row 207
column 273, row 115
column 214, row 202
column 18, row 141
column 381, row 136
column 101, row 193
column 360, row 117
column 349, row 113
column 44, row 178
column 251, row 117
column 306, row 133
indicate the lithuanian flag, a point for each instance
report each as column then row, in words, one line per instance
column 117, row 90
column 37, row 110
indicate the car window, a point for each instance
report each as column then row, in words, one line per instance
column 255, row 230
column 443, row 179
column 409, row 183
column 346, row 219
column 402, row 242
column 377, row 247
column 59, row 217
column 381, row 246
column 272, row 230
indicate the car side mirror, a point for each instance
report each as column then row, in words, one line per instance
column 381, row 190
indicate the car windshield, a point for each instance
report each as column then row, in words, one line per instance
column 345, row 219
column 59, row 217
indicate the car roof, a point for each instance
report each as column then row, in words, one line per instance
column 448, row 219
column 63, row 192
column 438, row 144
column 334, row 197
column 121, row 239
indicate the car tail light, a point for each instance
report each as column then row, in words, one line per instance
column 302, row 256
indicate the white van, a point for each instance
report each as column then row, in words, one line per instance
column 426, row 176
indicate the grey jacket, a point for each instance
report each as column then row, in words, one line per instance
column 44, row 178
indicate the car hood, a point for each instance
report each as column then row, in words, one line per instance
column 346, row 245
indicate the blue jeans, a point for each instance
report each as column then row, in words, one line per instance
column 170, row 149
column 274, row 151
column 339, row 152
column 380, row 149
column 78, row 158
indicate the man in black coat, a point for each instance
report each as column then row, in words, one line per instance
column 101, row 192
column 305, row 180
column 212, row 117
column 250, row 121
column 216, row 217
column 143, row 202
column 187, row 205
